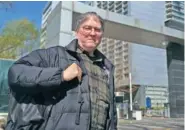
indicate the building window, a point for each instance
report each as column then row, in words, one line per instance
column 126, row 75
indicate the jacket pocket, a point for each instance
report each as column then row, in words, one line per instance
column 29, row 116
column 26, row 117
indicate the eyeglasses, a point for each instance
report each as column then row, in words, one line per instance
column 88, row 29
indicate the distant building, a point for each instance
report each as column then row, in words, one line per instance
column 175, row 14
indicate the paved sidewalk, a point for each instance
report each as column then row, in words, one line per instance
column 152, row 124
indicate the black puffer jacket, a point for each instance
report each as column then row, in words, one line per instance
column 37, row 88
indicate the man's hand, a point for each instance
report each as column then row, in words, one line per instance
column 72, row 72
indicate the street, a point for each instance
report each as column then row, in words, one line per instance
column 152, row 124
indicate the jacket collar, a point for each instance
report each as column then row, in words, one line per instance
column 72, row 46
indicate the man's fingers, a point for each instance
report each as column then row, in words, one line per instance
column 79, row 74
column 72, row 71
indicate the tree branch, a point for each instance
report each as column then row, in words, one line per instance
column 1, row 51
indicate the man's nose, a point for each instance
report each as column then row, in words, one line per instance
column 92, row 32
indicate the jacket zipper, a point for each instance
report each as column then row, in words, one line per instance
column 83, row 66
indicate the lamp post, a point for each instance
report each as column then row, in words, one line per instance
column 130, row 86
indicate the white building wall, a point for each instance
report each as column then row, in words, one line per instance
column 66, row 23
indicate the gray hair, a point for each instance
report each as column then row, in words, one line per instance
column 83, row 17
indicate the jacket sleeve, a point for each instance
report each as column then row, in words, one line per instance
column 31, row 73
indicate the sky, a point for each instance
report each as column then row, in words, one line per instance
column 31, row 10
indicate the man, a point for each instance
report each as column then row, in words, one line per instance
column 64, row 88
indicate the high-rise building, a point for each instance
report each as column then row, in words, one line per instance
column 175, row 14
column 117, row 52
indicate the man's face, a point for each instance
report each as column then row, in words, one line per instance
column 89, row 34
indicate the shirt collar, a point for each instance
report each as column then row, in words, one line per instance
column 94, row 58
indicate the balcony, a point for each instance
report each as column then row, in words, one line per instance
column 43, row 34
column 173, row 14
column 125, row 51
column 111, row 3
column 118, row 43
column 125, row 57
column 111, row 57
column 125, row 7
column 126, row 71
column 118, row 2
column 110, row 44
column 104, row 50
column 126, row 75
column 118, row 50
column 125, row 63
column 99, row 4
column 119, row 53
column 111, row 48
column 126, row 10
column 42, row 40
column 177, row 4
column 125, row 2
column 120, row 11
column 119, row 7
column 111, row 8
column 119, row 69
column 111, row 40
column 118, row 65
column 105, row 3
column 176, row 19
column 104, row 7
column 104, row 45
column 104, row 41
column 168, row 4
column 118, row 59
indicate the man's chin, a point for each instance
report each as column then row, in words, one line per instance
column 90, row 48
